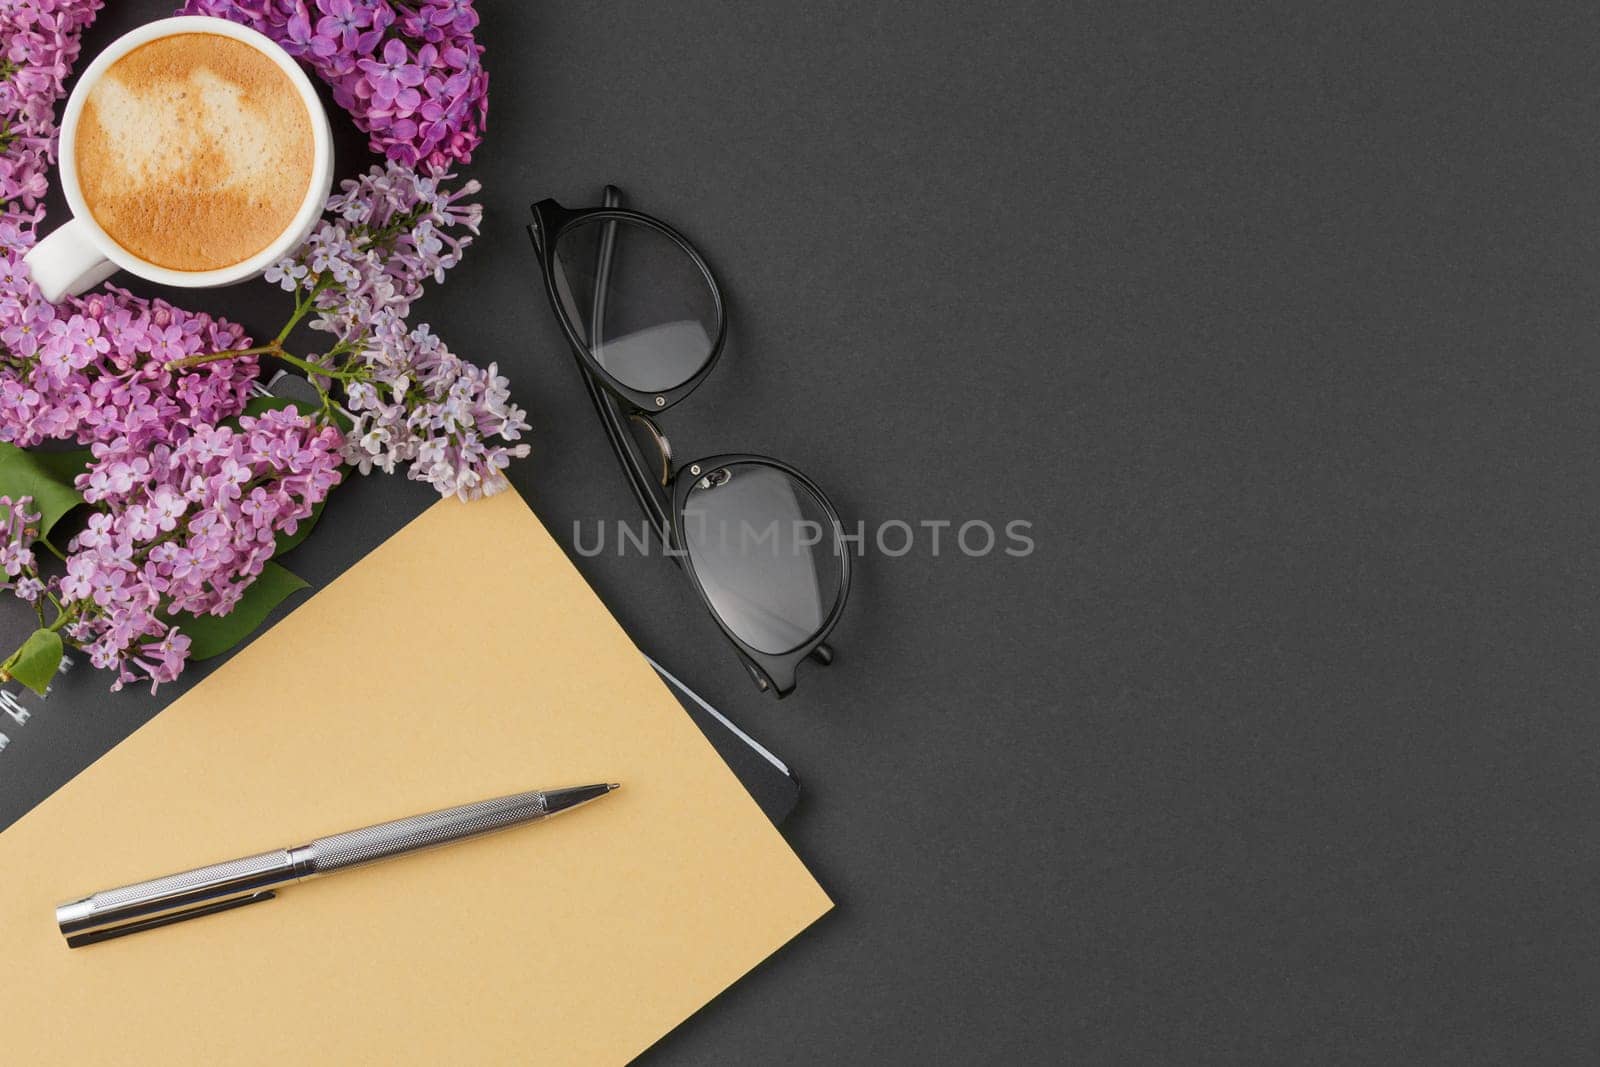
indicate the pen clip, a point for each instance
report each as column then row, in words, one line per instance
column 95, row 936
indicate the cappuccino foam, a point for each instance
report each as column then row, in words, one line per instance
column 194, row 152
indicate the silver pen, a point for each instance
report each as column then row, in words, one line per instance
column 252, row 879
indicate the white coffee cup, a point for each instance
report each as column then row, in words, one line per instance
column 81, row 255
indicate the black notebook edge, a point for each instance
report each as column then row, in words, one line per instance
column 768, row 780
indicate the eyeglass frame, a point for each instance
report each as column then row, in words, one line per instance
column 773, row 672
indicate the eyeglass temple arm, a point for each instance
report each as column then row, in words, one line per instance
column 602, row 269
column 639, row 480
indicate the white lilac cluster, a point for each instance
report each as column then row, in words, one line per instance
column 409, row 398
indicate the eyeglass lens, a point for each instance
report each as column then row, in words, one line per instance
column 765, row 552
column 650, row 318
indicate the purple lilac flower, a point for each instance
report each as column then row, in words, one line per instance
column 343, row 24
column 410, row 74
column 394, row 77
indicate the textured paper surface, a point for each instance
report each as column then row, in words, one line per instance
column 464, row 659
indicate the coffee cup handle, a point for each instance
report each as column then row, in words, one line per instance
column 68, row 263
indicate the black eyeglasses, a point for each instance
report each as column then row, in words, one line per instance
column 762, row 545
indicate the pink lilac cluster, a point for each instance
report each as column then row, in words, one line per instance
column 409, row 72
column 41, row 40
column 410, row 398
column 186, row 528
column 95, row 369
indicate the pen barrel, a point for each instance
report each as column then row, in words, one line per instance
column 373, row 843
column 171, row 894
column 250, row 879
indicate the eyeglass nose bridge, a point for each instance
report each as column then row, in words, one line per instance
column 663, row 446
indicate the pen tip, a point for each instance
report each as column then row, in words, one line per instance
column 613, row 785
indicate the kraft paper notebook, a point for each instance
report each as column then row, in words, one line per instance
column 464, row 659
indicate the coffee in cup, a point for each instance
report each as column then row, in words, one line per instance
column 194, row 151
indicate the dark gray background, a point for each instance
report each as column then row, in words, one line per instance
column 1281, row 329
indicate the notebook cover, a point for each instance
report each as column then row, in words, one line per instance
column 31, row 749
column 465, row 658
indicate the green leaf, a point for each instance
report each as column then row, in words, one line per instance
column 37, row 661
column 341, row 420
column 63, row 466
column 260, row 405
column 45, row 476
column 212, row 635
